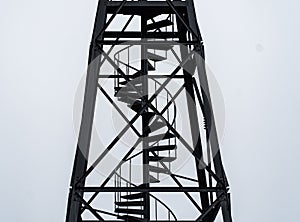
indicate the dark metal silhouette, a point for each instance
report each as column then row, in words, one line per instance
column 164, row 25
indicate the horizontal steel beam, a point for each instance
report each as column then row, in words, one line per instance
column 149, row 76
column 129, row 42
column 152, row 189
column 132, row 34
column 144, row 7
column 149, row 221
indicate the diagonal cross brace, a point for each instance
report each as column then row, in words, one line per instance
column 118, row 109
column 119, row 136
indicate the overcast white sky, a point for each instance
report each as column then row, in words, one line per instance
column 252, row 48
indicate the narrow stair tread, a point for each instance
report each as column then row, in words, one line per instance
column 159, row 137
column 132, row 87
column 162, row 148
column 130, row 218
column 148, row 116
column 130, row 203
column 128, row 88
column 136, row 106
column 137, row 74
column 127, row 99
column 153, row 179
column 133, row 196
column 161, row 158
column 132, row 82
column 154, row 57
column 131, row 94
column 158, row 169
column 160, row 24
column 130, row 211
column 150, row 67
column 163, row 47
column 155, row 126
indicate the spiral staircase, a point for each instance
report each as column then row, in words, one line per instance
column 163, row 31
column 162, row 143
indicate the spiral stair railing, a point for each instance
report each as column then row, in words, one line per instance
column 134, row 203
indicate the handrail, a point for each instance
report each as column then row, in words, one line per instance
column 167, row 108
column 174, row 216
column 168, row 92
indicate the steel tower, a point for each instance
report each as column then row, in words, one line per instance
column 169, row 168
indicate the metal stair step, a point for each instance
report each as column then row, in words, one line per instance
column 162, row 35
column 160, row 158
column 131, row 82
column 129, row 211
column 141, row 186
column 154, row 57
column 134, row 196
column 131, row 94
column 130, row 218
column 136, row 106
column 128, row 88
column 132, row 87
column 150, row 67
column 159, row 137
column 130, row 203
column 162, row 47
column 127, row 99
column 162, row 148
column 137, row 74
column 160, row 24
column 154, row 127
column 124, row 82
column 148, row 116
column 156, row 169
column 117, row 89
column 152, row 179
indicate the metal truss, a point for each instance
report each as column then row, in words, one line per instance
column 167, row 29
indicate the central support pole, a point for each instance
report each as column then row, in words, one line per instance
column 145, row 122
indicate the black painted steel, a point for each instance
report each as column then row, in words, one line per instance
column 167, row 28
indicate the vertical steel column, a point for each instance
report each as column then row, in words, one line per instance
column 136, row 206
column 208, row 109
column 82, row 150
column 193, row 117
column 144, row 68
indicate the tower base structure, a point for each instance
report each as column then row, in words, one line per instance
column 163, row 162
